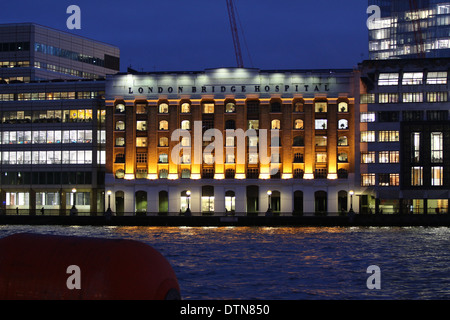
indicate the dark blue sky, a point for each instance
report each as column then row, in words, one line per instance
column 183, row 35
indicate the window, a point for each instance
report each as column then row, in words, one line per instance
column 230, row 107
column 208, row 108
column 120, row 142
column 412, row 78
column 367, row 98
column 321, row 124
column 186, row 125
column 298, row 124
column 412, row 115
column 141, row 126
column 437, row 176
column 388, row 116
column 388, row 136
column 163, row 125
column 416, row 176
column 185, row 108
column 141, row 158
column 163, row 142
column 320, row 107
column 437, row 115
column 437, row 147
column 321, row 157
column 298, row 158
column 437, row 78
column 342, row 141
column 163, row 108
column 388, row 179
column 415, row 147
column 141, row 109
column 253, row 124
column 367, row 136
column 276, row 125
column 252, row 158
column 342, row 157
column 207, row 199
column 299, row 141
column 412, row 97
column 343, row 124
column 230, row 124
column 437, row 96
column 141, row 142
column 120, row 108
column 389, row 157
column 367, row 117
column 368, row 157
column 367, row 179
column 163, row 174
column 185, row 174
column 298, row 107
column 321, row 141
column 388, row 79
column 388, row 98
column 343, row 107
column 275, row 107
column 163, row 158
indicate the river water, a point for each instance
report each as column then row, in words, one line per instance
column 291, row 263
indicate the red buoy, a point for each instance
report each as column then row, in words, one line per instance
column 50, row 267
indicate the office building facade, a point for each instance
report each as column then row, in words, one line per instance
column 410, row 29
column 404, row 138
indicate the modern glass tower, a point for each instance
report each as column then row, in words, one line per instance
column 410, row 29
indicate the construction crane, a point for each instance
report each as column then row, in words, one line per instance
column 234, row 32
column 418, row 34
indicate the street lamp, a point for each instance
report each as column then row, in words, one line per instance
column 351, row 192
column 188, row 210
column 269, row 209
column 109, row 211
column 74, row 210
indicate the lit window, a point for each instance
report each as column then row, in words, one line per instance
column 141, row 109
column 416, row 176
column 298, row 124
column 412, row 78
column 230, row 108
column 321, row 124
column 367, row 98
column 253, row 124
column 141, row 142
column 141, row 126
column 437, row 147
column 163, row 125
column 437, row 176
column 367, row 116
column 367, row 136
column 321, row 157
column 388, row 136
column 163, row 158
column 163, row 108
column 276, row 125
column 342, row 157
column 321, row 141
column 412, row 97
column 367, row 179
column 388, row 79
column 388, row 98
column 343, row 107
column 437, row 96
column 342, row 141
column 437, row 78
column 185, row 125
column 298, row 107
column 415, row 147
column 163, row 142
column 388, row 157
column 343, row 124
column 368, row 157
column 208, row 108
column 320, row 107
column 185, row 108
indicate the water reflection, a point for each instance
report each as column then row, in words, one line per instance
column 291, row 263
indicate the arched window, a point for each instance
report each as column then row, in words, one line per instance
column 120, row 125
column 276, row 124
column 320, row 201
column 163, row 125
column 342, row 141
column 343, row 107
column 298, row 202
column 230, row 107
column 120, row 174
column 275, row 107
column 343, row 124
column 120, row 108
column 163, row 108
column 141, row 202
column 163, row 174
column 298, row 107
column 186, row 125
column 298, row 124
column 185, row 108
column 185, row 174
column 342, row 157
column 163, row 201
column 230, row 200
column 120, row 142
column 163, row 142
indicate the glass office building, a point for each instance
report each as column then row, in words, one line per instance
column 410, row 29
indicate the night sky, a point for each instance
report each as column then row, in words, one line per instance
column 183, row 35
